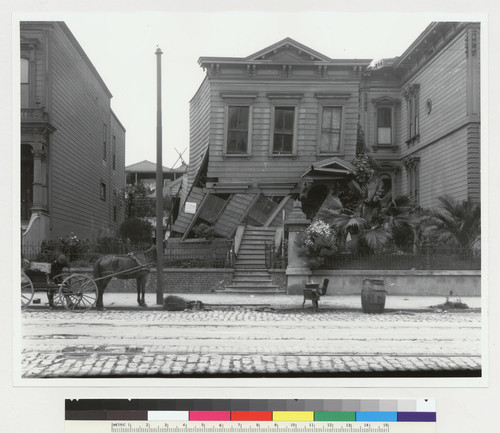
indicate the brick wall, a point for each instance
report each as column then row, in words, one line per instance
column 175, row 280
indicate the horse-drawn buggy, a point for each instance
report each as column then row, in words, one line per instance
column 79, row 292
column 74, row 292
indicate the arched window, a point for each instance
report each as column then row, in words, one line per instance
column 25, row 83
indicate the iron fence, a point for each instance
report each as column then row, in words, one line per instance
column 430, row 258
column 216, row 254
column 276, row 255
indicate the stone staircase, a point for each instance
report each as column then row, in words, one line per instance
column 250, row 271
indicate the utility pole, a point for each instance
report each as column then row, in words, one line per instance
column 159, row 186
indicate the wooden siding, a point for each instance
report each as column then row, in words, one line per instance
column 80, row 106
column 474, row 162
column 199, row 127
column 260, row 166
column 444, row 82
column 184, row 219
column 443, row 169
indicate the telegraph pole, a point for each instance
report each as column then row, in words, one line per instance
column 159, row 186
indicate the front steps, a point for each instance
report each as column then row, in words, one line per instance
column 250, row 271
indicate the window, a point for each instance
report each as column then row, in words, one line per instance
column 262, row 209
column 331, row 120
column 284, row 119
column 113, row 156
column 212, row 207
column 411, row 94
column 384, row 126
column 103, row 191
column 104, row 144
column 25, row 83
column 115, row 202
column 237, row 130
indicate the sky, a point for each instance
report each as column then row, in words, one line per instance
column 122, row 48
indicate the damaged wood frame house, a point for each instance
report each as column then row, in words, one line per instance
column 282, row 124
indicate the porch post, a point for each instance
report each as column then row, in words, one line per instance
column 297, row 271
column 39, row 179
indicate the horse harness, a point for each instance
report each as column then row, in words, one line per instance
column 142, row 266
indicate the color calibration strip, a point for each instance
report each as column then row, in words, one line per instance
column 387, row 411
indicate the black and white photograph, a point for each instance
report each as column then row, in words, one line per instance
column 249, row 195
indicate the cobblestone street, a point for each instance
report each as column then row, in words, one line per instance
column 246, row 341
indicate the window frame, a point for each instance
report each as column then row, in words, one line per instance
column 102, row 191
column 238, row 104
column 238, row 99
column 25, row 86
column 412, row 167
column 284, row 99
column 412, row 96
column 324, row 105
column 104, row 142
column 113, row 156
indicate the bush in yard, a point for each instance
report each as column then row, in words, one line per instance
column 315, row 243
column 136, row 229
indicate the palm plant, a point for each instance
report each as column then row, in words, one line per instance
column 459, row 221
column 373, row 216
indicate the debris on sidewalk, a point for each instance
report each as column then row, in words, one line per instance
column 176, row 303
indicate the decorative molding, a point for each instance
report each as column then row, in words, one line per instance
column 333, row 95
column 251, row 71
column 410, row 161
column 285, row 95
column 410, row 90
column 238, row 95
column 385, row 100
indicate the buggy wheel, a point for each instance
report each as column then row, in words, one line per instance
column 78, row 293
column 27, row 290
column 56, row 291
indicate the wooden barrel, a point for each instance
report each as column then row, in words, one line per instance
column 373, row 296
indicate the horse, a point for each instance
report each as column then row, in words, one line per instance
column 124, row 267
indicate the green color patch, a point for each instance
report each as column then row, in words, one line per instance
column 334, row 416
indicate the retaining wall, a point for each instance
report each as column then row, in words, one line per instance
column 415, row 283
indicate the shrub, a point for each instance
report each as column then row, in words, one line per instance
column 315, row 243
column 136, row 229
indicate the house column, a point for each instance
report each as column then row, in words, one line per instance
column 39, row 178
column 297, row 271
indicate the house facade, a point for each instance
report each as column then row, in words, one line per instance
column 282, row 124
column 72, row 143
column 265, row 130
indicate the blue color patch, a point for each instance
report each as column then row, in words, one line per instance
column 377, row 416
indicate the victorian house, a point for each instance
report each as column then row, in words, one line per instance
column 72, row 144
column 282, row 124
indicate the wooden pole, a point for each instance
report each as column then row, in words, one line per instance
column 159, row 186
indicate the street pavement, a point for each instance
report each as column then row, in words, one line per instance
column 252, row 335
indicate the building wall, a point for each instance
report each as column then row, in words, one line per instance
column 199, row 134
column 78, row 106
column 260, row 166
column 443, row 143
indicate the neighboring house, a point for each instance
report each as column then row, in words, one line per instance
column 421, row 114
column 72, row 144
column 282, row 124
column 145, row 172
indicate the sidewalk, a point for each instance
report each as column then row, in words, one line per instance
column 277, row 301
